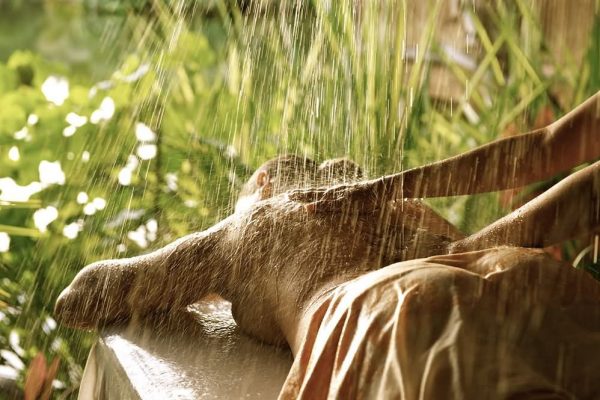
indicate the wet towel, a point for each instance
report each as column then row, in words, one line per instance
column 507, row 323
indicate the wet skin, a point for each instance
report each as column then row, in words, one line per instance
column 268, row 260
column 271, row 258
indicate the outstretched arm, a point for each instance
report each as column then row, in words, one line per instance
column 569, row 208
column 503, row 164
column 511, row 162
column 172, row 277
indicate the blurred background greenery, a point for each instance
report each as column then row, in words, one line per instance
column 126, row 124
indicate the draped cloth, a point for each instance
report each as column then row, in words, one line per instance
column 506, row 323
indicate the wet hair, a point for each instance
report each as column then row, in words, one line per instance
column 339, row 170
column 291, row 172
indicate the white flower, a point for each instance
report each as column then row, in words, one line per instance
column 7, row 371
column 82, row 197
column 12, row 360
column 69, row 131
column 143, row 133
column 152, row 225
column 146, row 151
column 56, row 89
column 139, row 236
column 32, row 119
column 151, row 228
column 231, row 152
column 104, row 112
column 11, row 191
column 191, row 203
column 71, row 230
column 22, row 134
column 49, row 325
column 13, row 154
column 15, row 343
column 126, row 173
column 85, row 156
column 89, row 209
column 99, row 203
column 4, row 242
column 44, row 217
column 76, row 120
column 51, row 173
column 171, row 179
column 135, row 75
column 125, row 176
column 132, row 162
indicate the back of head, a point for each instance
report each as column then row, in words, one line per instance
column 339, row 170
column 287, row 172
column 284, row 172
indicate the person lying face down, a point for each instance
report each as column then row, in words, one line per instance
column 489, row 323
column 459, row 326
column 267, row 258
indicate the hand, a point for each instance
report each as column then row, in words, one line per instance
column 97, row 296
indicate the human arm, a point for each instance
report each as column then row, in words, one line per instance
column 511, row 162
column 569, row 208
column 168, row 278
column 503, row 164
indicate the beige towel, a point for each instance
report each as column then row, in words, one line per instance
column 507, row 323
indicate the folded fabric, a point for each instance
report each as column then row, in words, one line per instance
column 505, row 323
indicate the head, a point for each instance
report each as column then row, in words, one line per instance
column 287, row 172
